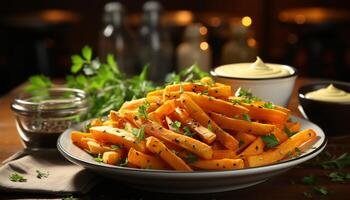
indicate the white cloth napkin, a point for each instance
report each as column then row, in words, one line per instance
column 63, row 176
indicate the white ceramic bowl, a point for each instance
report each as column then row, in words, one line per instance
column 277, row 90
column 188, row 182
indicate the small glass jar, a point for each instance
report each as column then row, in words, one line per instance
column 42, row 115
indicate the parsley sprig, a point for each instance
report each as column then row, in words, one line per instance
column 247, row 95
column 139, row 133
column 270, row 140
column 176, row 125
column 17, row 178
column 40, row 174
column 142, row 111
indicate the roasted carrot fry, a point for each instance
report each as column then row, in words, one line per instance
column 199, row 115
column 219, row 164
column 255, row 148
column 206, row 135
column 117, row 136
column 220, row 91
column 241, row 125
column 271, row 115
column 111, row 157
column 145, row 161
column 217, row 105
column 77, row 137
column 199, row 148
column 281, row 150
column 244, row 139
column 221, row 154
column 157, row 147
column 166, row 109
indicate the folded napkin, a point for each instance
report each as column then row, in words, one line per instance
column 62, row 176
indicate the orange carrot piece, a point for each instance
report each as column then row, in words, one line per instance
column 111, row 157
column 221, row 154
column 219, row 164
column 77, row 137
column 271, row 115
column 157, row 147
column 199, row 115
column 145, row 161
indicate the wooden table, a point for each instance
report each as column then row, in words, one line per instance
column 285, row 186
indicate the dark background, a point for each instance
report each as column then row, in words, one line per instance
column 318, row 50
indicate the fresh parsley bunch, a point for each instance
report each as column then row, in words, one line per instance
column 106, row 86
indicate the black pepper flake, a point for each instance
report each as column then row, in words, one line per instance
column 152, row 129
column 216, row 91
column 123, row 136
column 260, row 107
column 137, row 153
column 135, row 117
column 193, row 90
column 217, row 164
column 159, row 152
column 256, row 147
column 193, row 146
column 224, row 166
column 176, row 140
column 160, row 128
column 234, row 164
column 153, row 145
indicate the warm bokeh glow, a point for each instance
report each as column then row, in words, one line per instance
column 203, row 30
column 204, row 45
column 247, row 21
column 251, row 42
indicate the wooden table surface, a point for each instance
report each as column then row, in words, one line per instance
column 285, row 186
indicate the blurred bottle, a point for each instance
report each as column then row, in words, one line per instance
column 195, row 48
column 116, row 38
column 155, row 44
column 241, row 47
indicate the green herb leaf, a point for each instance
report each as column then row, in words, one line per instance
column 334, row 162
column 139, row 133
column 270, row 140
column 235, row 101
column 17, row 178
column 40, row 174
column 68, row 198
column 246, row 117
column 98, row 158
column 142, row 111
column 176, row 125
column 269, row 105
column 113, row 64
column 339, row 176
column 309, row 180
column 115, row 147
column 247, row 95
column 241, row 143
column 204, row 92
column 77, row 60
column 210, row 128
column 288, row 132
column 76, row 67
column 188, row 132
column 191, row 158
column 124, row 162
column 321, row 190
column 87, row 53
column 298, row 152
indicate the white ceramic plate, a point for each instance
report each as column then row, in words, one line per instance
column 188, row 182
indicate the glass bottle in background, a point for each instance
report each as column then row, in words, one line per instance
column 155, row 45
column 241, row 46
column 194, row 48
column 116, row 38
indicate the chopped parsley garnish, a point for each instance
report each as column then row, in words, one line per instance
column 188, row 132
column 269, row 105
column 204, row 92
column 139, row 133
column 309, row 180
column 181, row 88
column 191, row 158
column 289, row 132
column 124, row 162
column 68, row 198
column 247, row 95
column 241, row 143
column 270, row 140
column 321, row 190
column 98, row 158
column 40, row 174
column 115, row 147
column 176, row 125
column 246, row 117
column 334, row 162
column 339, row 176
column 17, row 178
column 142, row 112
column 298, row 152
column 210, row 128
column 235, row 101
